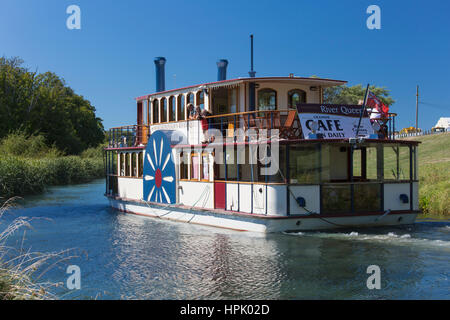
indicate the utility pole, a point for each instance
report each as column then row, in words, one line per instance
column 417, row 109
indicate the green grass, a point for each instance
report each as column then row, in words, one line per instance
column 434, row 175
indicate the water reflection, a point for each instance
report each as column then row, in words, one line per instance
column 165, row 260
column 132, row 257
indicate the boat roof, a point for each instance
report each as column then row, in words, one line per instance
column 232, row 82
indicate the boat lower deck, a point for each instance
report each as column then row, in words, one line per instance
column 260, row 223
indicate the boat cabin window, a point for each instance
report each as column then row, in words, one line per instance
column 231, row 164
column 267, row 99
column 155, row 110
column 134, row 168
column 205, row 167
column 181, row 108
column 397, row 162
column 190, row 98
column 184, row 165
column 122, row 164
column 201, row 99
column 163, row 110
column 295, row 97
column 304, row 164
column 195, row 166
column 127, row 164
column 172, row 109
column 141, row 164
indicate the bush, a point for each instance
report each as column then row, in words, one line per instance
column 34, row 146
column 434, row 198
column 20, row 176
column 94, row 152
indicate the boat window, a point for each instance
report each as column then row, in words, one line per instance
column 201, row 99
column 276, row 165
column 231, row 164
column 205, row 167
column 404, row 163
column 127, row 164
column 233, row 100
column 141, row 164
column 122, row 164
column 195, row 166
column 414, row 157
column 114, row 159
column 190, row 98
column 134, row 168
column 267, row 99
column 304, row 164
column 247, row 160
column 155, row 111
column 358, row 163
column 163, row 110
column 295, row 97
column 374, row 164
column 367, row 197
column 172, row 109
column 184, row 165
column 397, row 163
column 336, row 198
column 181, row 108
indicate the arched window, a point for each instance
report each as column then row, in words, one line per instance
column 295, row 97
column 190, row 98
column 267, row 99
column 163, row 110
column 181, row 108
column 201, row 99
column 155, row 111
column 172, row 109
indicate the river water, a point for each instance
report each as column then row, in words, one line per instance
column 131, row 257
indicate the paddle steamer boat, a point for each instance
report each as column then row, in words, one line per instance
column 269, row 157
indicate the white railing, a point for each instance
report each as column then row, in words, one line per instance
column 417, row 134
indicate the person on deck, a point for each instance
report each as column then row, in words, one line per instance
column 191, row 112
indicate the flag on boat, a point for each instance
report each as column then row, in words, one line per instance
column 379, row 109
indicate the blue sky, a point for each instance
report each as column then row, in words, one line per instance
column 110, row 60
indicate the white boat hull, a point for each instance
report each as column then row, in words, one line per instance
column 258, row 223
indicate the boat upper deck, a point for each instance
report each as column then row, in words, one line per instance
column 253, row 107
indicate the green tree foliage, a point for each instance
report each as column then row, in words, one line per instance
column 355, row 94
column 42, row 104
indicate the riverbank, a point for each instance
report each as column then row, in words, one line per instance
column 28, row 166
column 434, row 175
column 24, row 176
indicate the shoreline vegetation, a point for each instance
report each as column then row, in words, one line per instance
column 28, row 166
column 20, row 269
column 49, row 134
column 434, row 175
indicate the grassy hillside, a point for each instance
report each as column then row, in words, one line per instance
column 434, row 174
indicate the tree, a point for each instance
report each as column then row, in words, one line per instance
column 44, row 104
column 353, row 95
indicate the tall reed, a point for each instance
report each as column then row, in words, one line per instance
column 20, row 269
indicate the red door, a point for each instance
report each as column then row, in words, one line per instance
column 219, row 195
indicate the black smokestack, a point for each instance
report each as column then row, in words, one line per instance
column 222, row 69
column 160, row 74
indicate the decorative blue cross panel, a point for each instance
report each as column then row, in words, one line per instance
column 159, row 170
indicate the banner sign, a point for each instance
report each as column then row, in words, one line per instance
column 334, row 121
